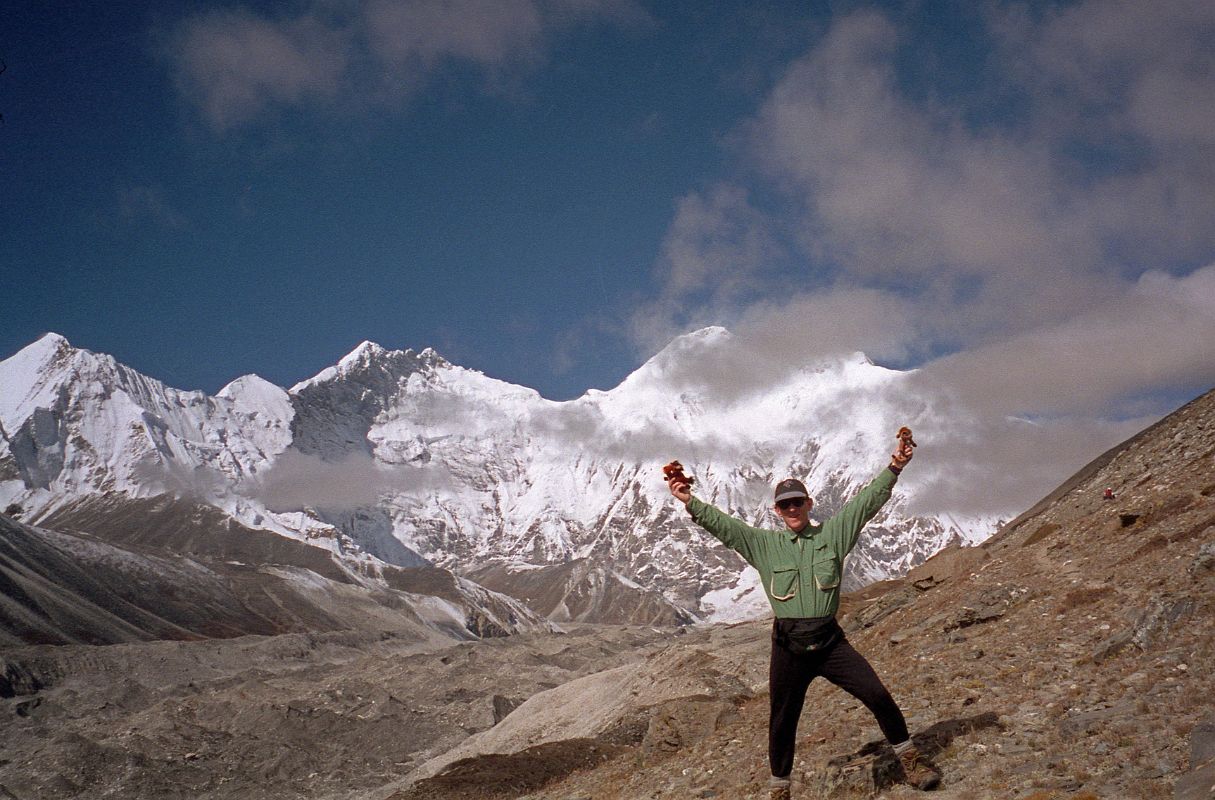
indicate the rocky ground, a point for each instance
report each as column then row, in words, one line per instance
column 1069, row 658
column 290, row 716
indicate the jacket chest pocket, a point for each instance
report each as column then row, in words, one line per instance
column 826, row 567
column 783, row 583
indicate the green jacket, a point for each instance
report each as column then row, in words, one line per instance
column 801, row 572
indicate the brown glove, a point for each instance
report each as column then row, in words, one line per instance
column 675, row 470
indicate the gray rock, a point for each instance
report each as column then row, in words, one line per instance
column 864, row 773
column 1204, row 562
column 936, row 619
column 1198, row 784
column 884, row 606
column 1161, row 769
column 989, row 604
column 1152, row 625
column 1159, row 617
column 1089, row 722
column 1202, row 742
column 503, row 706
column 683, row 722
column 1113, row 645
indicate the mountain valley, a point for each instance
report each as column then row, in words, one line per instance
column 1069, row 657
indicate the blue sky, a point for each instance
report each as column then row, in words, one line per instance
column 489, row 211
column 1015, row 198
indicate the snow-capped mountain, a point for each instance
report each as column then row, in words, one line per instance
column 400, row 456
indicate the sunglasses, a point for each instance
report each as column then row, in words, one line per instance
column 791, row 503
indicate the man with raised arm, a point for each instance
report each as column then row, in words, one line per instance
column 801, row 568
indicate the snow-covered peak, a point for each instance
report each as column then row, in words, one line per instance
column 35, row 357
column 371, row 360
column 254, row 394
column 362, row 355
column 49, row 342
column 79, row 423
column 461, row 467
column 31, row 377
column 370, row 354
column 701, row 341
column 431, row 356
column 247, row 384
column 669, row 364
column 709, row 333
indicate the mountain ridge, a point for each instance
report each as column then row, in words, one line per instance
column 397, row 456
column 167, row 569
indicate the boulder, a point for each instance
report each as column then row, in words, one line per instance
column 1150, row 626
column 1202, row 742
column 1198, row 784
column 1203, row 565
column 989, row 604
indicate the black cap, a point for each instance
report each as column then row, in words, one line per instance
column 790, row 488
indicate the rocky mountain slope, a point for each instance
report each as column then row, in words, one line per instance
column 1070, row 657
column 175, row 571
column 402, row 458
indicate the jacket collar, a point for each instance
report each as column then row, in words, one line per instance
column 805, row 533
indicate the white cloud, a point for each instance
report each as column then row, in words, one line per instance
column 1051, row 253
column 983, row 465
column 235, row 66
column 1027, row 411
column 895, row 191
column 994, row 228
column 718, row 250
column 482, row 31
column 295, row 481
column 916, row 224
column 1157, row 336
column 1133, row 80
column 841, row 319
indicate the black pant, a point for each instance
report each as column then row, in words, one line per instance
column 789, row 677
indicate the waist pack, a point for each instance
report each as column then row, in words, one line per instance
column 806, row 635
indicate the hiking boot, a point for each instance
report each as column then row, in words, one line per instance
column 779, row 789
column 917, row 770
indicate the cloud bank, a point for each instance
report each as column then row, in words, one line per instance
column 296, row 481
column 1045, row 262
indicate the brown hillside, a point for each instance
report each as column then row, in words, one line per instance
column 1071, row 657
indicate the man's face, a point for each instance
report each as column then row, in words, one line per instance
column 795, row 512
